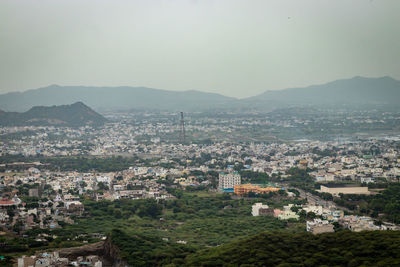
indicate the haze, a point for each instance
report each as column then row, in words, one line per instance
column 235, row 48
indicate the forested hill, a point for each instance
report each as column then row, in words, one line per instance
column 344, row 248
column 77, row 114
column 304, row 249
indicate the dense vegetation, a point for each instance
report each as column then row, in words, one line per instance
column 303, row 249
column 78, row 163
column 200, row 218
column 255, row 177
column 146, row 250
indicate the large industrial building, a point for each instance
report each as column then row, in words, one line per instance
column 342, row 189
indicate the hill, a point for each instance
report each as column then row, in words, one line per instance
column 77, row 114
column 113, row 98
column 344, row 248
column 304, row 249
column 355, row 91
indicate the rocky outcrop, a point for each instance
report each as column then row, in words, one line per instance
column 106, row 250
column 86, row 250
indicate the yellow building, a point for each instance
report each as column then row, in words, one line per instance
column 246, row 188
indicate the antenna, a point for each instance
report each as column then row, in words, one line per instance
column 182, row 136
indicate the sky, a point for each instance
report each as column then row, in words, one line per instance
column 235, row 48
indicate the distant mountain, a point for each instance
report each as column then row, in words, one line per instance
column 348, row 92
column 114, row 98
column 354, row 91
column 77, row 114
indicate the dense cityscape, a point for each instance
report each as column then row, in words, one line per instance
column 212, row 133
column 62, row 186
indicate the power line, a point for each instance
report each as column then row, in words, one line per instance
column 182, row 135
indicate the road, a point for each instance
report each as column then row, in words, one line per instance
column 316, row 200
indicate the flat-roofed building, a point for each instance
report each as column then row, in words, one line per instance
column 229, row 180
column 319, row 226
column 258, row 209
column 247, row 188
column 341, row 189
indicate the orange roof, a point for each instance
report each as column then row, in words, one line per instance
column 6, row 202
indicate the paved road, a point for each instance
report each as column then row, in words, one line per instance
column 316, row 200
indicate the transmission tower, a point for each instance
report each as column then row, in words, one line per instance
column 182, row 136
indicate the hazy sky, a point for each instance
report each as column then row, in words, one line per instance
column 236, row 48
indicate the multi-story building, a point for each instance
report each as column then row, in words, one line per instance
column 258, row 209
column 247, row 188
column 229, row 180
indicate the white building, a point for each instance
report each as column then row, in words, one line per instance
column 367, row 180
column 229, row 180
column 255, row 209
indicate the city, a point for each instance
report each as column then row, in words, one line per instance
column 54, row 180
column 199, row 133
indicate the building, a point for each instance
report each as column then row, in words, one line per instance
column 319, row 226
column 247, row 188
column 286, row 213
column 53, row 259
column 342, row 189
column 74, row 207
column 34, row 192
column 228, row 180
column 367, row 180
column 258, row 209
column 26, row 261
column 4, row 203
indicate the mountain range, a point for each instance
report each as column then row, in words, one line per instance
column 77, row 114
column 354, row 91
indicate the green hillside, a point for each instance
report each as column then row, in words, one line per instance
column 304, row 249
column 77, row 114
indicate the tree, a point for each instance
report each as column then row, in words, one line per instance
column 311, row 215
column 248, row 162
column 102, row 186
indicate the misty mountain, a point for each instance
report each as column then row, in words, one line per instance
column 77, row 114
column 113, row 98
column 356, row 91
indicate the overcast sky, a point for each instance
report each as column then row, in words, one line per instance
column 236, row 48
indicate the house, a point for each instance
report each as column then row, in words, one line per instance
column 74, row 207
column 287, row 213
column 258, row 209
column 4, row 203
column 319, row 226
